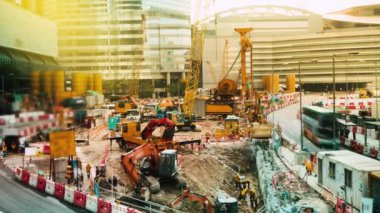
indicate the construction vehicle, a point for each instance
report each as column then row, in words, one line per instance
column 222, row 102
column 146, row 162
column 131, row 135
column 223, row 202
column 195, row 61
column 124, row 104
column 231, row 128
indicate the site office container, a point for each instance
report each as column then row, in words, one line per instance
column 337, row 181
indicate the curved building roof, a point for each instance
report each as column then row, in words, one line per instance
column 363, row 15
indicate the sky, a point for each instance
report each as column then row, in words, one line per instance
column 316, row 6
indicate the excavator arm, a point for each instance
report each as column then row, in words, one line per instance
column 154, row 123
column 130, row 162
column 193, row 197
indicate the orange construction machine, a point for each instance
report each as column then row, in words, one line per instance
column 131, row 136
column 125, row 103
column 145, row 162
column 223, row 202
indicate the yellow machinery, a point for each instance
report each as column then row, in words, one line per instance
column 126, row 103
column 195, row 62
column 245, row 45
column 231, row 128
column 222, row 103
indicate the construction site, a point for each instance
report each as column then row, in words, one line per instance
column 177, row 110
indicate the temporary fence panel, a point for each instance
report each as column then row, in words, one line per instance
column 33, row 180
column 69, row 195
column 41, row 184
column 50, row 187
column 59, row 191
column 91, row 203
column 79, row 199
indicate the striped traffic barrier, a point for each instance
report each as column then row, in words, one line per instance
column 104, row 206
column 69, row 195
column 25, row 176
column 18, row 173
column 41, row 184
column 50, row 187
column 59, row 191
column 91, row 203
column 79, row 199
column 33, row 180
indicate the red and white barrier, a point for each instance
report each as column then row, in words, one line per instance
column 50, row 187
column 25, row 176
column 104, row 206
column 41, row 184
column 59, row 191
column 69, row 195
column 91, row 203
column 33, row 180
column 79, row 199
column 18, row 173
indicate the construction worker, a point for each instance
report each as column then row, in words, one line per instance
column 69, row 174
column 308, row 166
column 4, row 151
column 252, row 198
column 88, row 170
column 243, row 194
column 354, row 131
column 208, row 136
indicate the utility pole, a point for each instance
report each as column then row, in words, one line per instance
column 333, row 88
column 300, row 88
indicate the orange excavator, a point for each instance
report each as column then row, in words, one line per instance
column 223, row 202
column 144, row 163
column 125, row 103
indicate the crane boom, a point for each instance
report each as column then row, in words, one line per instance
column 195, row 59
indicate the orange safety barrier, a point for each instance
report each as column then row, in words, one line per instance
column 104, row 206
column 41, row 184
column 79, row 199
column 59, row 191
column 25, row 175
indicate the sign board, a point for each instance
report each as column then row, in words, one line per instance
column 30, row 151
column 62, row 144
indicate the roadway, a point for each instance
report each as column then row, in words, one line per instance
column 290, row 124
column 17, row 198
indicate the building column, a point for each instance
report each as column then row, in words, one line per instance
column 154, row 88
column 168, row 82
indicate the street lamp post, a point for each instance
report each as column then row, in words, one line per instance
column 300, row 88
column 333, row 88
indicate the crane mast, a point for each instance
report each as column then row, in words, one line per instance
column 195, row 58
